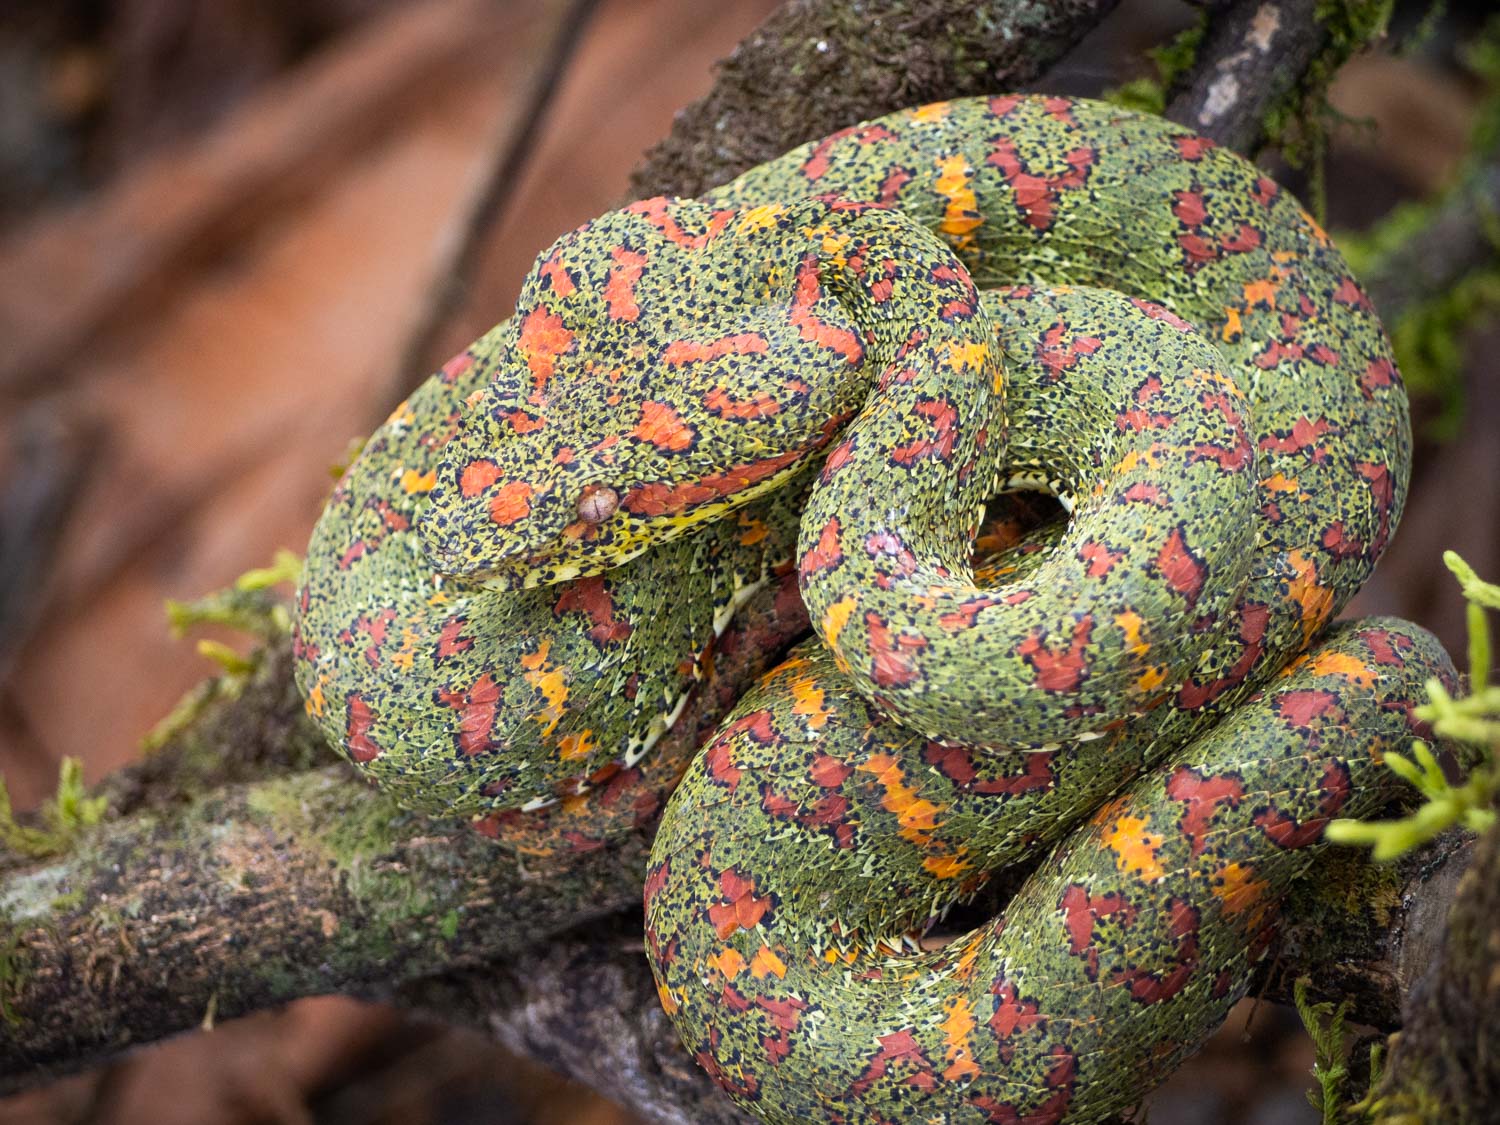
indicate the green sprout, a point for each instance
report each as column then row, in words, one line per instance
column 61, row 819
column 1325, row 1026
column 251, row 606
column 1472, row 721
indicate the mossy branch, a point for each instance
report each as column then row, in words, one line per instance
column 1433, row 267
column 1171, row 62
column 1254, row 54
column 1442, row 1064
column 816, row 66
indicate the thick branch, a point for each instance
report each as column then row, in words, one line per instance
column 257, row 895
column 1361, row 931
column 1443, row 1066
column 1253, row 55
column 1367, row 932
column 547, row 1008
column 819, row 65
column 297, row 885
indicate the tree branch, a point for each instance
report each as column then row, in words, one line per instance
column 300, row 884
column 1443, row 1064
column 819, row 65
column 1254, row 54
column 1366, row 931
column 547, row 1008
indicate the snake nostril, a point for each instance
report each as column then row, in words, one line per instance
column 597, row 503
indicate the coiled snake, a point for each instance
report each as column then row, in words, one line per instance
column 841, row 357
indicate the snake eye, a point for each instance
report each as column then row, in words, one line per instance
column 597, row 503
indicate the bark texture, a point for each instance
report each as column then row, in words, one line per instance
column 1445, row 1063
column 1255, row 53
column 819, row 65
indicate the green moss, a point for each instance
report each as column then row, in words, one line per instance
column 448, row 926
column 1414, row 1104
column 187, row 710
column 1298, row 122
column 62, row 818
column 1170, row 61
column 251, row 605
column 66, row 903
column 356, row 836
column 14, row 965
column 356, row 842
column 1349, row 890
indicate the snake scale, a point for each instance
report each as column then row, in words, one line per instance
column 858, row 360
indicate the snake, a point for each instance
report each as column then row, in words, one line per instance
column 1075, row 434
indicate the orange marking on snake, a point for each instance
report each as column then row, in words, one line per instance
column 362, row 747
column 543, row 338
column 1059, row 669
column 619, row 290
column 663, row 427
column 654, row 211
column 741, row 908
column 1184, row 572
column 813, row 328
column 477, row 707
column 477, row 476
column 688, row 351
column 511, row 503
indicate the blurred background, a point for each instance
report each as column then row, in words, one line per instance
column 234, row 232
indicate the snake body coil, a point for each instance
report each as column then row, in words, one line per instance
column 842, row 358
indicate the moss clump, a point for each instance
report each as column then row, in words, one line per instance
column 13, row 964
column 62, row 818
column 355, row 842
column 250, row 606
column 1298, row 123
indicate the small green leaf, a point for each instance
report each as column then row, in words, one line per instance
column 226, row 658
column 1474, row 589
column 285, row 568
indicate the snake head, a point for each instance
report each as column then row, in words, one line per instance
column 657, row 373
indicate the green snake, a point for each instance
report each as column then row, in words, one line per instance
column 853, row 363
